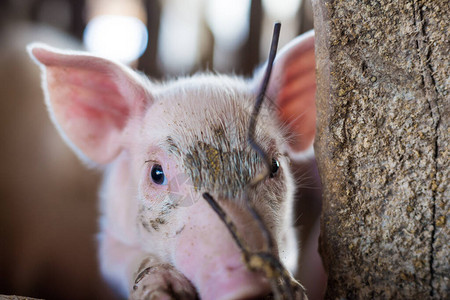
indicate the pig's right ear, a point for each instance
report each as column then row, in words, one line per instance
column 90, row 99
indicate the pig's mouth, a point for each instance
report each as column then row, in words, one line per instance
column 283, row 285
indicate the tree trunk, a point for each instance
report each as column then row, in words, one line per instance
column 382, row 147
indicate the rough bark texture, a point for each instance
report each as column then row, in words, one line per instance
column 382, row 147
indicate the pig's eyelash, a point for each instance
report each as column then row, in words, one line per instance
column 283, row 285
column 151, row 161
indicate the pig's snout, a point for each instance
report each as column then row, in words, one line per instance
column 208, row 256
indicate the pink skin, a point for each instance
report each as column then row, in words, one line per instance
column 114, row 118
column 214, row 265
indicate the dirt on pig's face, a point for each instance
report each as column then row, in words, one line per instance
column 193, row 139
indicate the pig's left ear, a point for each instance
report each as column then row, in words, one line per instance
column 90, row 100
column 292, row 88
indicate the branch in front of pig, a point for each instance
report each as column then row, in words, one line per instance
column 284, row 286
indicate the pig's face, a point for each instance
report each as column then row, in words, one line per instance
column 206, row 151
column 163, row 145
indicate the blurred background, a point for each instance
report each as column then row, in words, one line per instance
column 48, row 199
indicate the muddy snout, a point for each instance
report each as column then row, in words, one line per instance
column 208, row 256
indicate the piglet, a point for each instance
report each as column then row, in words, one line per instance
column 162, row 145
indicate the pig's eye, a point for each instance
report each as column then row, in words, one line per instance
column 275, row 168
column 157, row 175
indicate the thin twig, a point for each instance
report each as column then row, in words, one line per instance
column 223, row 216
column 251, row 138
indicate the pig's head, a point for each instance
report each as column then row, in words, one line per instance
column 163, row 145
